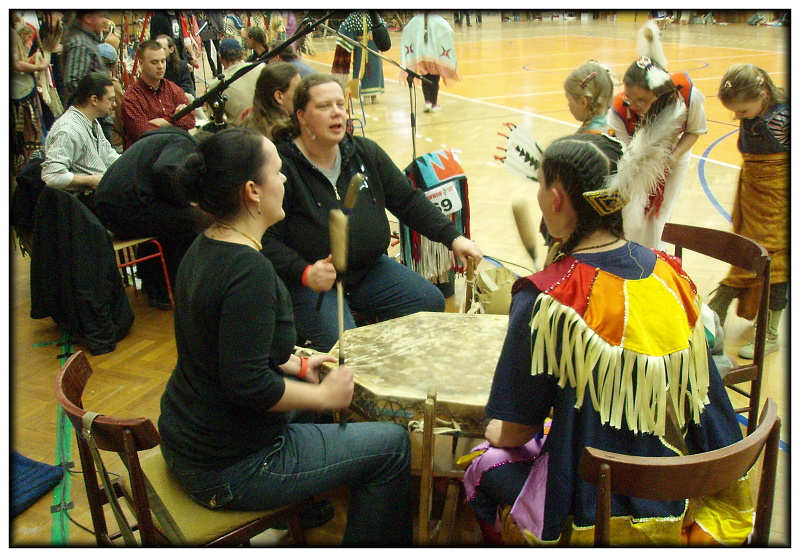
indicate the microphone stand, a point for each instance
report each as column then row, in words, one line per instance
column 411, row 75
column 215, row 96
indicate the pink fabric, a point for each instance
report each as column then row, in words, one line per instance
column 528, row 509
column 496, row 456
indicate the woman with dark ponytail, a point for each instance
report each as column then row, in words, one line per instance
column 588, row 339
column 674, row 109
column 228, row 414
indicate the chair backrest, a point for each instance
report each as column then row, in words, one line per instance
column 682, row 477
column 740, row 252
column 124, row 436
column 726, row 246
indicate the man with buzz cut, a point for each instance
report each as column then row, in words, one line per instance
column 77, row 152
column 152, row 100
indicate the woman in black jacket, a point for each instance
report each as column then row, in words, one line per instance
column 318, row 163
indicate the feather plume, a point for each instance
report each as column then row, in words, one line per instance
column 522, row 154
column 644, row 161
column 648, row 42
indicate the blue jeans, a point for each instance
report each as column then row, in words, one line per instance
column 373, row 458
column 388, row 290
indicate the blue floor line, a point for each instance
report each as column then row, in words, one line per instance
column 701, row 166
column 782, row 444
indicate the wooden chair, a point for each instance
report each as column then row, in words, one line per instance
column 352, row 91
column 681, row 477
column 125, row 253
column 165, row 514
column 745, row 253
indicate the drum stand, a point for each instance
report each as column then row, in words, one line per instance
column 438, row 532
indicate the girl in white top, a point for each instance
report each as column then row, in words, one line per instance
column 648, row 89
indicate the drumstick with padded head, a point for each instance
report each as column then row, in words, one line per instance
column 348, row 203
column 522, row 217
column 337, row 224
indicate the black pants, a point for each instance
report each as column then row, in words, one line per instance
column 499, row 486
column 778, row 296
column 430, row 92
column 175, row 228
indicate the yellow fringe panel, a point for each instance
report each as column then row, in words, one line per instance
column 607, row 372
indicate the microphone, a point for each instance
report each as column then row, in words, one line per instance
column 522, row 218
column 348, row 203
column 379, row 32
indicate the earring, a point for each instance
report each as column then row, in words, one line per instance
column 312, row 134
column 259, row 206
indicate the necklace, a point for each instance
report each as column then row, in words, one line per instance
column 245, row 234
column 614, row 241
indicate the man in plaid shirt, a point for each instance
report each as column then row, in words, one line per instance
column 81, row 56
column 151, row 101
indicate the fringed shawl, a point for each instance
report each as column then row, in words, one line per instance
column 627, row 345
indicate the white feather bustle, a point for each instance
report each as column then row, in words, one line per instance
column 644, row 160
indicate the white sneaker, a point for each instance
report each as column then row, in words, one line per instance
column 427, row 107
column 436, row 108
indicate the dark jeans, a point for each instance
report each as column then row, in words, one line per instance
column 372, row 458
column 431, row 92
column 175, row 228
column 389, row 290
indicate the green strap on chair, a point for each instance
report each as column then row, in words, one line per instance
column 59, row 534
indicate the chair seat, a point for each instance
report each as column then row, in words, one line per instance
column 122, row 244
column 198, row 524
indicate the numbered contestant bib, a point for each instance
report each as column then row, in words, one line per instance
column 445, row 197
column 441, row 178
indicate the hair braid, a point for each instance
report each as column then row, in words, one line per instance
column 582, row 163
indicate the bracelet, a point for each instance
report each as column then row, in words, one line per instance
column 303, row 367
column 304, row 278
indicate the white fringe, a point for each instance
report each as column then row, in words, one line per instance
column 435, row 260
column 621, row 384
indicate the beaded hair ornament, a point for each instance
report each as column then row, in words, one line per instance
column 605, row 201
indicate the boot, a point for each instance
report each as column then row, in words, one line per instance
column 723, row 295
column 771, row 345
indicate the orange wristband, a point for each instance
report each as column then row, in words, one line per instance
column 304, row 278
column 303, row 367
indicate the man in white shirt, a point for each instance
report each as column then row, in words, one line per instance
column 240, row 92
column 77, row 152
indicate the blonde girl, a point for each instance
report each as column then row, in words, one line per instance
column 589, row 89
column 760, row 209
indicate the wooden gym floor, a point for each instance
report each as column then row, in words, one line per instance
column 510, row 72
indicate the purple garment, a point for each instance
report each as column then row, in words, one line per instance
column 528, row 509
column 289, row 23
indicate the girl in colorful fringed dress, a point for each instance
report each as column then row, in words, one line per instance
column 604, row 339
column 761, row 207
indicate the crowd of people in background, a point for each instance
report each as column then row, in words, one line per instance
column 242, row 215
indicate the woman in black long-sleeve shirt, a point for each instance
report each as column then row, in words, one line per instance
column 226, row 413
